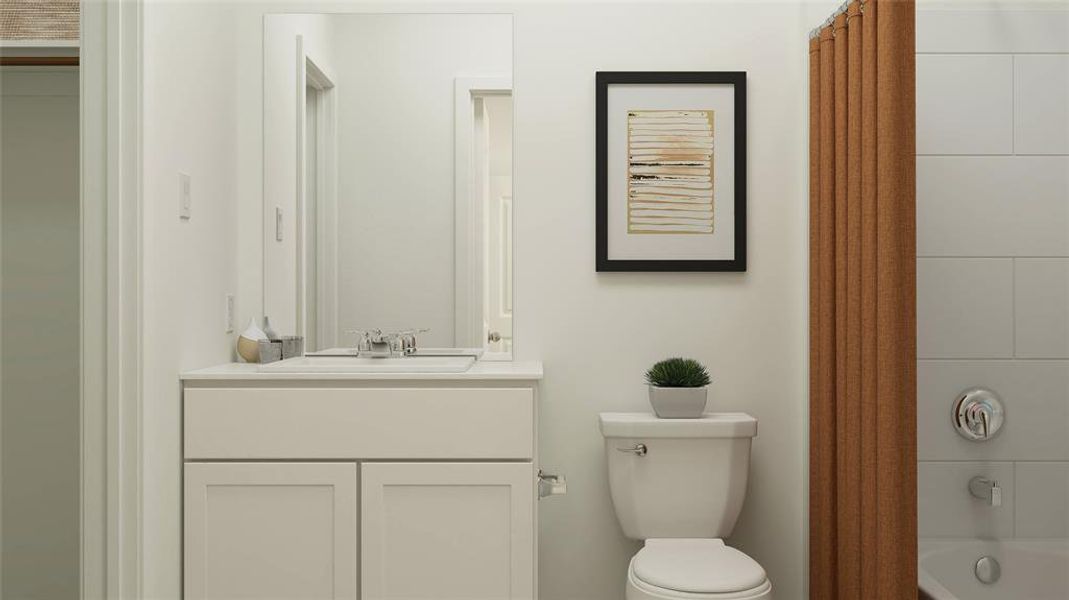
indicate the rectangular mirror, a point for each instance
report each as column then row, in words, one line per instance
column 388, row 177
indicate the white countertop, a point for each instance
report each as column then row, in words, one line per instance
column 528, row 370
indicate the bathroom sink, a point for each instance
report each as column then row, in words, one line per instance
column 356, row 364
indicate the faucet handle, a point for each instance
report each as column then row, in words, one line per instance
column 996, row 494
column 407, row 339
column 363, row 339
column 978, row 419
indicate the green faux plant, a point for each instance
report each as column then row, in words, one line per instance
column 678, row 373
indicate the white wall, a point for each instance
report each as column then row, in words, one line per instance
column 279, row 97
column 596, row 333
column 993, row 264
column 189, row 126
column 40, row 343
column 396, row 132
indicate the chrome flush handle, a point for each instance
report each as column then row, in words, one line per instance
column 638, row 449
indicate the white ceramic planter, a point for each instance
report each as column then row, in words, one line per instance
column 678, row 402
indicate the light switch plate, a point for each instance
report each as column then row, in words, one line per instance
column 185, row 199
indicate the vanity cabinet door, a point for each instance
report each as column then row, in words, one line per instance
column 447, row 530
column 270, row 530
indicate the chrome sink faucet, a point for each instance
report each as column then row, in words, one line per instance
column 986, row 489
column 377, row 343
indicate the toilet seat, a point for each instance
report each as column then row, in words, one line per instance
column 695, row 569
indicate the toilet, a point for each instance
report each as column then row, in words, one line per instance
column 678, row 485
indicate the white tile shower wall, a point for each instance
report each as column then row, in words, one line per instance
column 992, row 205
column 1041, row 310
column 964, row 307
column 993, row 264
column 959, row 92
column 1034, row 390
column 1041, row 489
column 946, row 514
column 1041, row 98
column 992, row 29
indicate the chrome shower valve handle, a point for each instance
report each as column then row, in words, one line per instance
column 978, row 414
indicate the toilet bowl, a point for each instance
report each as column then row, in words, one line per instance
column 695, row 569
column 679, row 485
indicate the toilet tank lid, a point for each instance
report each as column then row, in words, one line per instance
column 647, row 425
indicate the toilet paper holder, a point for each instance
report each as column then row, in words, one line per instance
column 550, row 484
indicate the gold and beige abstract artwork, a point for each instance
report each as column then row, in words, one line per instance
column 670, row 171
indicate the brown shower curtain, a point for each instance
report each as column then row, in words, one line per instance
column 862, row 315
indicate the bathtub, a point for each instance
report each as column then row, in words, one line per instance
column 1031, row 569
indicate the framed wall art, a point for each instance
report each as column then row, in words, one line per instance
column 671, row 171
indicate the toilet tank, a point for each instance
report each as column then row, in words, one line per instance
column 691, row 480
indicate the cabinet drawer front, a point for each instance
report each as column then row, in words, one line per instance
column 364, row 423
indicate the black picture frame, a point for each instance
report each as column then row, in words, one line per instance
column 606, row 78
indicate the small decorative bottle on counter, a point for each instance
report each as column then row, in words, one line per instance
column 249, row 342
column 270, row 331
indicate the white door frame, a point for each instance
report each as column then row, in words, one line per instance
column 310, row 72
column 468, row 318
column 111, row 298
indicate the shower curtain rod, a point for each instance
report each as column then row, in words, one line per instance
column 842, row 9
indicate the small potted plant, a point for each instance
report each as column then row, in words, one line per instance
column 678, row 388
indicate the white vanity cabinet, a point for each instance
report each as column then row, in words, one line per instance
column 366, row 487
